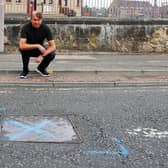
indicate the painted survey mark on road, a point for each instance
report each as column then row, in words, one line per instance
column 27, row 129
column 122, row 150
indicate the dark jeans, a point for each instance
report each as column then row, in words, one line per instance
column 26, row 54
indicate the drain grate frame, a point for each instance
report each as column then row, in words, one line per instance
column 39, row 129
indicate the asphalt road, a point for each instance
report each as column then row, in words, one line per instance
column 122, row 127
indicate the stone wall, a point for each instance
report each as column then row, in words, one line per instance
column 97, row 34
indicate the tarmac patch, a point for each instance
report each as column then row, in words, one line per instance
column 38, row 129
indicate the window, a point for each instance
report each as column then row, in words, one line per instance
column 8, row 0
column 77, row 3
column 66, row 2
column 60, row 3
column 18, row 1
column 50, row 2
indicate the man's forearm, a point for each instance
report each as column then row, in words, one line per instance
column 29, row 46
column 49, row 50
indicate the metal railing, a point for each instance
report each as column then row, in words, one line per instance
column 92, row 8
column 126, row 8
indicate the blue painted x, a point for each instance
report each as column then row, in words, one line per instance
column 27, row 129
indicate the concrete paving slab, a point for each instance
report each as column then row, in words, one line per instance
column 90, row 67
column 93, row 62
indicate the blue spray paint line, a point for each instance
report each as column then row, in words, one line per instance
column 122, row 150
column 30, row 128
column 2, row 109
column 95, row 152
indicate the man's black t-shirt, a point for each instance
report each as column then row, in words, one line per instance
column 36, row 35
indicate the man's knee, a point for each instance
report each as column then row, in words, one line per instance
column 52, row 55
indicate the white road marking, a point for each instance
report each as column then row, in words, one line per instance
column 148, row 132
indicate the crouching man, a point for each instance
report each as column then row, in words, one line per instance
column 31, row 44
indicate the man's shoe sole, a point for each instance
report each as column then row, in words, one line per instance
column 39, row 72
column 23, row 77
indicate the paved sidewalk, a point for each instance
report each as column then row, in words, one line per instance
column 91, row 67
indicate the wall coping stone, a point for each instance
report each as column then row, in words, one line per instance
column 20, row 19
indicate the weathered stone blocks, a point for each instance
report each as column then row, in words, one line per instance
column 99, row 35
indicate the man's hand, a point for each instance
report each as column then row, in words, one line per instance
column 38, row 59
column 42, row 49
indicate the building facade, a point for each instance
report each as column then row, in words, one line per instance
column 47, row 7
column 134, row 8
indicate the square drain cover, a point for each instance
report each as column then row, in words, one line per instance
column 38, row 129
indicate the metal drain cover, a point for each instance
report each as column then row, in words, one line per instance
column 38, row 129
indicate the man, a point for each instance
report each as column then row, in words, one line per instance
column 31, row 42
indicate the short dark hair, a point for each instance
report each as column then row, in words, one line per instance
column 37, row 14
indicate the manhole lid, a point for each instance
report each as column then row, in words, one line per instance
column 38, row 129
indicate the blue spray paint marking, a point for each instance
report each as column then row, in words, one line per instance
column 30, row 128
column 122, row 150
